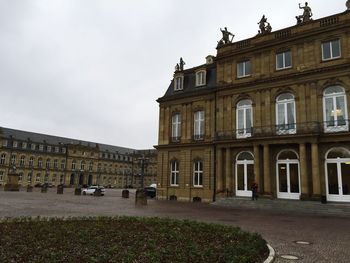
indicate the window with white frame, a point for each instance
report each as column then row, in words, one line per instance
column 13, row 159
column 38, row 178
column 31, row 161
column 200, row 78
column 335, row 109
column 82, row 165
column 55, row 163
column 63, row 164
column 3, row 159
column 24, row 145
column 33, row 146
column 20, row 177
column 90, row 166
column 174, row 173
column 61, row 178
column 41, row 147
column 29, row 177
column 48, row 148
column 1, row 175
column 57, row 149
column 4, row 143
column 178, row 83
column 331, row 49
column 22, row 161
column 15, row 144
column 285, row 114
column 48, row 163
column 198, row 125
column 40, row 163
column 73, row 165
column 64, row 150
column 244, row 119
column 244, row 69
column 284, row 60
column 176, row 127
column 198, row 174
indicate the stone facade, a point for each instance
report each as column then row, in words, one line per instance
column 275, row 111
column 43, row 159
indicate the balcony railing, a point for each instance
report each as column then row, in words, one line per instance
column 285, row 129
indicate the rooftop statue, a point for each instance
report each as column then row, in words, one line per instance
column 348, row 5
column 225, row 37
column 306, row 16
column 264, row 26
column 180, row 66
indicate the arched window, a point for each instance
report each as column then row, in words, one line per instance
column 174, row 173
column 48, row 163
column 90, row 166
column 198, row 173
column 244, row 119
column 244, row 173
column 40, row 162
column 82, row 165
column 73, row 165
column 22, row 161
column 13, row 159
column 55, row 163
column 31, row 161
column 285, row 114
column 335, row 112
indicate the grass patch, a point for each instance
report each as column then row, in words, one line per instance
column 125, row 239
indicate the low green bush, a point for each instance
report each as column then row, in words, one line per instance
column 125, row 239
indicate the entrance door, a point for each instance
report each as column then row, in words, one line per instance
column 288, row 178
column 244, row 174
column 338, row 175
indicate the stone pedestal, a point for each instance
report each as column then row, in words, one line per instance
column 141, row 197
column 44, row 189
column 12, row 182
column 60, row 189
column 125, row 193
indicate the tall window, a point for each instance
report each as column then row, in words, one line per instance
column 55, row 163
column 244, row 119
column 48, row 164
column 13, row 159
column 90, row 166
column 198, row 125
column 3, row 158
column 178, row 83
column 31, row 161
column 82, row 165
column 176, row 127
column 285, row 114
column 198, row 173
column 22, row 161
column 244, row 69
column 73, row 165
column 200, row 78
column 40, row 163
column 174, row 173
column 283, row 60
column 335, row 109
column 29, row 177
column 63, row 164
column 1, row 175
column 331, row 50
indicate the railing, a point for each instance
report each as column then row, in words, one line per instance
column 284, row 129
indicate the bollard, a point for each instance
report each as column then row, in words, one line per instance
column 44, row 188
column 60, row 189
column 141, row 197
column 125, row 193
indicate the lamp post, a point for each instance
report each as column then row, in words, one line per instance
column 143, row 161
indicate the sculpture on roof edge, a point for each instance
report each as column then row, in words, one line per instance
column 225, row 37
column 180, row 66
column 348, row 5
column 306, row 16
column 264, row 26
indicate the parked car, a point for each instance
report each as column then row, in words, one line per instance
column 151, row 191
column 91, row 190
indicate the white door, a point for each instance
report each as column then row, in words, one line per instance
column 338, row 180
column 288, row 179
column 244, row 177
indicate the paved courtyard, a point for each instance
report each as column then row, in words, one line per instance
column 329, row 236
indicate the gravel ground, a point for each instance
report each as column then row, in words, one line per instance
column 329, row 235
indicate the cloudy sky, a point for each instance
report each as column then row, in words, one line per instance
column 93, row 69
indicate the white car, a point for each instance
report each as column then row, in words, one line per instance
column 91, row 190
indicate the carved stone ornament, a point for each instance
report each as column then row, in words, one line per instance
column 306, row 16
column 225, row 37
column 180, row 66
column 264, row 26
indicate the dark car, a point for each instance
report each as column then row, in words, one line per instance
column 151, row 191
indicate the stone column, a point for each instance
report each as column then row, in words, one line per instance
column 219, row 170
column 256, row 164
column 228, row 170
column 316, row 187
column 267, row 176
column 303, row 171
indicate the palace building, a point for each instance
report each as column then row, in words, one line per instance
column 41, row 158
column 273, row 109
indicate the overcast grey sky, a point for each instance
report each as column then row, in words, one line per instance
column 92, row 69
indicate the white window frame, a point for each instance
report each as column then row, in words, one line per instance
column 331, row 43
column 22, row 161
column 2, row 176
column 198, row 127
column 13, row 159
column 31, row 161
column 48, row 163
column 73, row 166
column 245, row 109
column 33, row 146
column 178, row 83
column 176, row 126
column 197, row 173
column 41, row 147
column 284, row 66
column 24, row 145
column 40, row 162
column 285, row 103
column 243, row 64
column 63, row 164
column 201, row 78
column 15, row 144
column 4, row 143
column 38, row 178
column 334, row 96
column 48, row 149
column 3, row 159
column 174, row 173
column 55, row 163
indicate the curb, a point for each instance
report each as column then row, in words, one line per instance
column 271, row 256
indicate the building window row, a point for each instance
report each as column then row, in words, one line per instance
column 197, row 173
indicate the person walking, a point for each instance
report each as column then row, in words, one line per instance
column 254, row 191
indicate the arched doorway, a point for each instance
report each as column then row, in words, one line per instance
column 337, row 167
column 90, row 179
column 81, row 179
column 244, row 174
column 288, row 175
column 71, row 181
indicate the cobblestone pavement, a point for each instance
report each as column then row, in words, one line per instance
column 329, row 235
